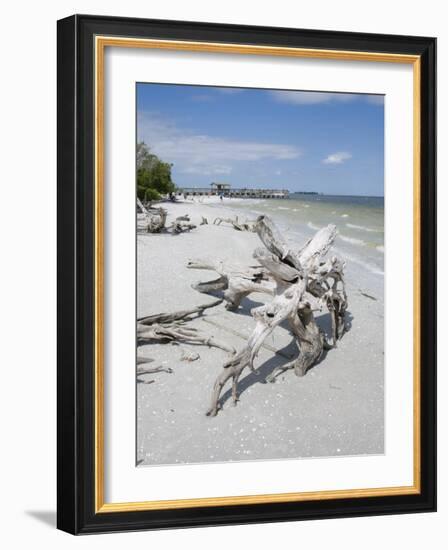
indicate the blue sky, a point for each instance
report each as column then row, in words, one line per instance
column 302, row 141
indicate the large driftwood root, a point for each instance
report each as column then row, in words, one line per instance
column 304, row 283
column 237, row 282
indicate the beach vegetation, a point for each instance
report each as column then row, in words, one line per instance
column 151, row 194
column 153, row 175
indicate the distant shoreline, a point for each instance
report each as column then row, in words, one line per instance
column 301, row 193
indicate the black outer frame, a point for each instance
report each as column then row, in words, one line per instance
column 75, row 403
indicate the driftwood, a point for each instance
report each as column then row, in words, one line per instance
column 154, row 370
column 155, row 218
column 236, row 281
column 182, row 224
column 141, row 372
column 142, row 207
column 242, row 336
column 141, row 360
column 157, row 221
column 246, row 226
column 172, row 327
column 304, row 283
column 177, row 315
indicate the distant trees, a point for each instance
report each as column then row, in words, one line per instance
column 153, row 175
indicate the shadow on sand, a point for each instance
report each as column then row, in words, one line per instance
column 277, row 360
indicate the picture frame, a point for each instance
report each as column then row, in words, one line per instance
column 82, row 42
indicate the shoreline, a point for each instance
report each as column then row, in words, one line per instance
column 336, row 409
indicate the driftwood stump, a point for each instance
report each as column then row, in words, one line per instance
column 304, row 282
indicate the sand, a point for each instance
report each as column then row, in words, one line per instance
column 336, row 409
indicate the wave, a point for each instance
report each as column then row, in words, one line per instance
column 376, row 270
column 352, row 240
column 345, row 216
column 380, row 248
column 362, row 228
column 370, row 267
column 313, row 226
column 282, row 208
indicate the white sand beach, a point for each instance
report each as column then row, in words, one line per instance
column 336, row 409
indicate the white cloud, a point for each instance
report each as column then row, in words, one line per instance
column 199, row 153
column 314, row 98
column 310, row 98
column 207, row 170
column 337, row 158
column 206, row 95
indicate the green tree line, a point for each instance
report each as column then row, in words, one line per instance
column 153, row 175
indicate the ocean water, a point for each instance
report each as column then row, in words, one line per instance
column 359, row 220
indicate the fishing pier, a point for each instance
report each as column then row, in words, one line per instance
column 226, row 190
